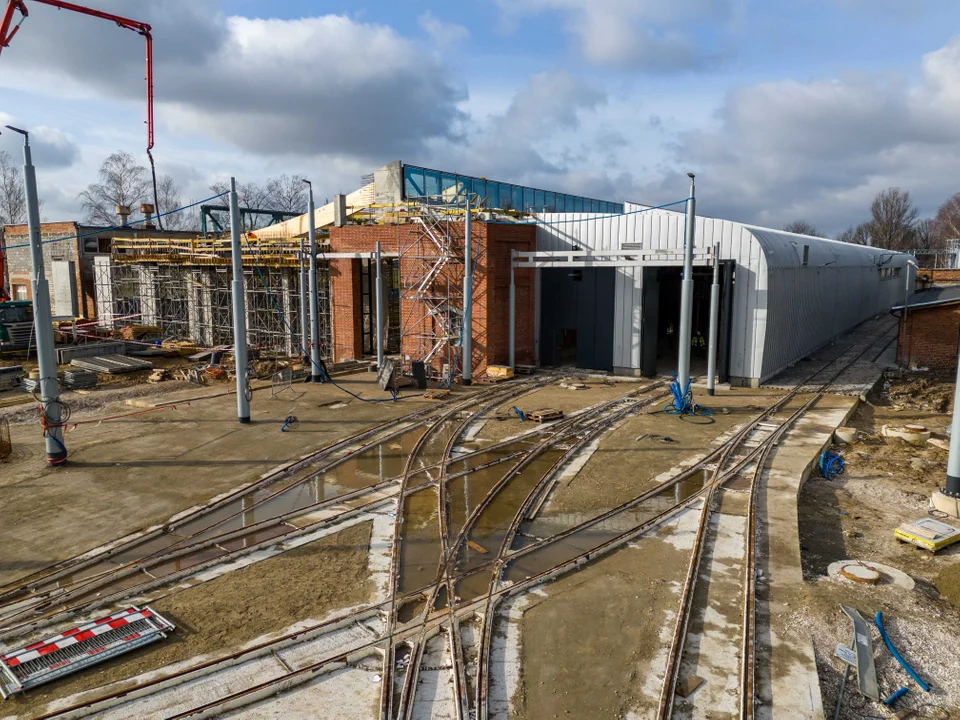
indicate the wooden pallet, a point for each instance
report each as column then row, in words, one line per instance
column 436, row 394
column 545, row 415
column 524, row 369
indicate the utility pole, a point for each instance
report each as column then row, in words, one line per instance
column 948, row 498
column 239, row 308
column 42, row 321
column 467, row 300
column 380, row 317
column 714, row 322
column 304, row 311
column 686, row 292
column 315, row 373
column 906, row 301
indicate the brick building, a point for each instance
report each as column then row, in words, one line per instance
column 493, row 241
column 930, row 333
column 69, row 250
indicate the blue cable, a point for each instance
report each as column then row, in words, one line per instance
column 830, row 465
column 116, row 227
column 683, row 403
column 893, row 651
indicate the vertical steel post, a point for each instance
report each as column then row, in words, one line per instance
column 239, row 308
column 952, row 488
column 42, row 320
column 906, row 300
column 315, row 374
column 380, row 317
column 714, row 323
column 513, row 311
column 304, row 311
column 686, row 293
column 467, row 299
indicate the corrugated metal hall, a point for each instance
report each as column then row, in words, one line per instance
column 782, row 295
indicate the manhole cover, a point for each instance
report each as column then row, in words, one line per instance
column 860, row 573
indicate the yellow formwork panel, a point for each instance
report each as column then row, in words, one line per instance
column 928, row 533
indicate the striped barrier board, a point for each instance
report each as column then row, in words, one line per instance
column 80, row 647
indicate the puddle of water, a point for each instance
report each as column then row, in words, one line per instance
column 369, row 468
column 489, row 456
column 436, row 445
column 130, row 581
column 490, row 529
column 472, row 586
column 441, row 602
column 185, row 561
column 411, row 609
column 579, row 542
column 250, row 539
column 419, row 540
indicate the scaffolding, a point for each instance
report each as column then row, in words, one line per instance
column 431, row 267
column 193, row 303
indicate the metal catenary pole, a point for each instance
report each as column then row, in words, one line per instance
column 513, row 310
column 239, row 309
column 42, row 320
column 906, row 301
column 714, row 323
column 304, row 311
column 467, row 299
column 686, row 292
column 952, row 488
column 315, row 372
column 380, row 317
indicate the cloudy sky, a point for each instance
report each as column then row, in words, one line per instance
column 785, row 109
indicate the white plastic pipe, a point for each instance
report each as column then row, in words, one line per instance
column 239, row 308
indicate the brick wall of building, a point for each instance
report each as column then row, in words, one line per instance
column 939, row 276
column 932, row 337
column 490, row 298
column 19, row 266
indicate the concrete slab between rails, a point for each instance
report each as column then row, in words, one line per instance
column 786, row 678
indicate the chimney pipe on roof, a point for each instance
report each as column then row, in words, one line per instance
column 147, row 210
column 123, row 212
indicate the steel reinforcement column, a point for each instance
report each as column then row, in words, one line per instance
column 239, row 308
column 467, row 299
column 315, row 373
column 686, row 293
column 714, row 322
column 42, row 320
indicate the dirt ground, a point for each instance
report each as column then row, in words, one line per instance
column 624, row 467
column 137, row 471
column 221, row 616
column 887, row 482
column 584, row 658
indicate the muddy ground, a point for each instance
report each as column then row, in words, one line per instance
column 887, row 482
column 585, row 655
column 650, row 443
column 136, row 471
column 222, row 615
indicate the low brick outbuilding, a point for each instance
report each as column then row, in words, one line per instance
column 930, row 330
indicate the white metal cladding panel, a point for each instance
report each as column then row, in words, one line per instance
column 627, row 330
column 663, row 229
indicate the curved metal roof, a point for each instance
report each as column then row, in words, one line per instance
column 783, row 249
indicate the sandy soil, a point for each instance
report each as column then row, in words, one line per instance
column 624, row 467
column 223, row 615
column 582, row 653
column 887, row 482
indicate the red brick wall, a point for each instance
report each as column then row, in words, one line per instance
column 939, row 276
column 932, row 337
column 490, row 296
column 345, row 308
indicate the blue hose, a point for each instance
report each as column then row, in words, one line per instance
column 683, row 403
column 893, row 651
column 830, row 465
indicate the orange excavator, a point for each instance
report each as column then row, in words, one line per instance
column 8, row 29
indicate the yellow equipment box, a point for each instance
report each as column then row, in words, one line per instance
column 499, row 371
column 928, row 533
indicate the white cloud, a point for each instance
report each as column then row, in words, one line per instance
column 651, row 35
column 49, row 147
column 445, row 35
column 821, row 150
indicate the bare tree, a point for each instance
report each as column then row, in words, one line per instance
column 168, row 194
column 122, row 182
column 894, row 220
column 802, row 227
column 287, row 193
column 13, row 201
column 856, row 234
column 946, row 225
column 250, row 195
